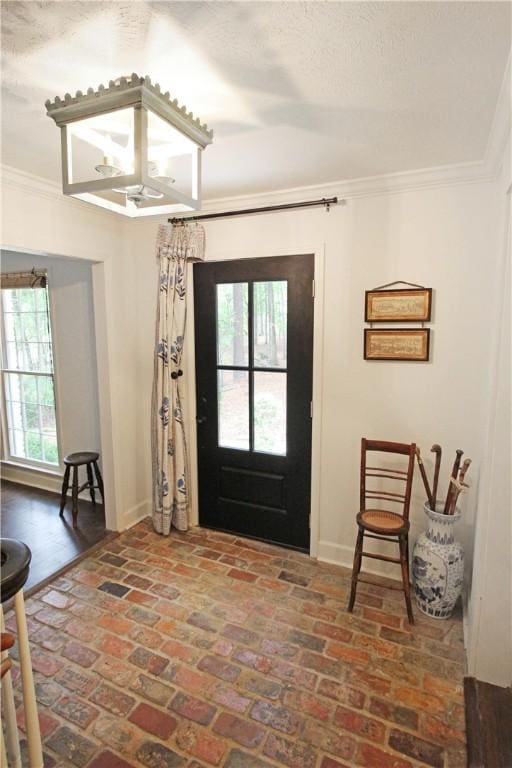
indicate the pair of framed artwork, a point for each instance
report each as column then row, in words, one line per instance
column 397, row 306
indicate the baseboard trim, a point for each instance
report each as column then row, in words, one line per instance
column 136, row 514
column 34, row 478
column 341, row 554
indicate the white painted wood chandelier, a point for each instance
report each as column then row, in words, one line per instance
column 129, row 148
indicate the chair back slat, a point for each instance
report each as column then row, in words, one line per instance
column 400, row 497
column 383, row 487
column 390, row 473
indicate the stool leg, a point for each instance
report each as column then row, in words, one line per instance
column 100, row 480
column 10, row 724
column 356, row 568
column 3, row 753
column 75, row 495
column 91, row 483
column 35, row 753
column 65, row 486
column 404, row 563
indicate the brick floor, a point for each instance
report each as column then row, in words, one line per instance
column 204, row 649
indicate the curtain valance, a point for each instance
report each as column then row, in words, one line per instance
column 34, row 279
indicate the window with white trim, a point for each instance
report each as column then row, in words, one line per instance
column 27, row 371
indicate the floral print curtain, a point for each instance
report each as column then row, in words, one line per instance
column 175, row 246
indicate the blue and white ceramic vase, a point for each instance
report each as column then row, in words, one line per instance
column 438, row 565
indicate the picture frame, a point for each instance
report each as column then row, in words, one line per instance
column 398, row 305
column 403, row 344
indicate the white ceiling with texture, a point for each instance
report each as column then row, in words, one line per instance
column 297, row 93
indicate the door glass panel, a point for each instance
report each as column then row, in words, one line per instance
column 270, row 412
column 232, row 324
column 270, row 320
column 233, row 402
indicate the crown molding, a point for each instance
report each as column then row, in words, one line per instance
column 409, row 181
column 18, row 179
column 30, row 183
column 369, row 186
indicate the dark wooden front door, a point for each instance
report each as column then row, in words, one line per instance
column 254, row 361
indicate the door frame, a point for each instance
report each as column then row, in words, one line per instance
column 318, row 251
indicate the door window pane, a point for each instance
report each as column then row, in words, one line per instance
column 270, row 412
column 270, row 324
column 232, row 324
column 233, row 402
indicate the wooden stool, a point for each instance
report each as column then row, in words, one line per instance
column 15, row 560
column 76, row 460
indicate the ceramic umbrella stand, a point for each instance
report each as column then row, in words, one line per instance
column 438, row 565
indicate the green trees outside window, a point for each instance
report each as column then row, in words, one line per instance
column 27, row 373
column 267, row 406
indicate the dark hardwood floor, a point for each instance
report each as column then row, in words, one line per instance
column 488, row 724
column 32, row 516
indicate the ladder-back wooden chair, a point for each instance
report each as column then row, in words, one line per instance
column 381, row 486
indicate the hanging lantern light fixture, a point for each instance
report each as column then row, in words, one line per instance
column 129, row 148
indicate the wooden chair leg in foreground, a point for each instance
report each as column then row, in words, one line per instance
column 7, row 641
column 11, row 747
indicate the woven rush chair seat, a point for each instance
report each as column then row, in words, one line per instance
column 380, row 520
column 385, row 480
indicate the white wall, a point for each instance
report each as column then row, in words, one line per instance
column 76, row 376
column 434, row 237
column 489, row 616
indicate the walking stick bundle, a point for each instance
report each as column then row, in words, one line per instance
column 456, row 482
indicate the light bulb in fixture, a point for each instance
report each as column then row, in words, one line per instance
column 165, row 180
column 107, row 169
column 137, row 194
column 153, row 171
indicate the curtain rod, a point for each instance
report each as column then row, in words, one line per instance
column 326, row 201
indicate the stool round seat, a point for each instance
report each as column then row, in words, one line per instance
column 81, row 457
column 15, row 560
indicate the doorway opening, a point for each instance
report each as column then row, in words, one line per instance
column 49, row 406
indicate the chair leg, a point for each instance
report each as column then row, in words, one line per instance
column 74, row 494
column 404, row 562
column 100, row 480
column 65, row 486
column 355, row 569
column 90, row 481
